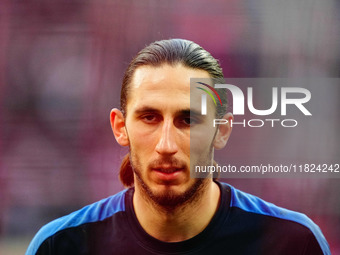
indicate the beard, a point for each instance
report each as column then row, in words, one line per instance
column 169, row 199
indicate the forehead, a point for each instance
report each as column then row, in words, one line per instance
column 163, row 86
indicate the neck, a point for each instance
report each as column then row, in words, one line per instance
column 178, row 223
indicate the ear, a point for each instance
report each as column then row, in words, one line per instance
column 118, row 127
column 223, row 132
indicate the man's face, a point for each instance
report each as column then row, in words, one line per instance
column 158, row 128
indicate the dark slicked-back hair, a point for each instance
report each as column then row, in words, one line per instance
column 171, row 52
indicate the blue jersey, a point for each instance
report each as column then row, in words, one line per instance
column 243, row 224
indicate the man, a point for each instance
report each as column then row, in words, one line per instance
column 165, row 211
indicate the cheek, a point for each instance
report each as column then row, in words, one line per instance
column 141, row 142
column 140, row 135
column 142, row 145
column 200, row 147
column 201, row 142
column 202, row 134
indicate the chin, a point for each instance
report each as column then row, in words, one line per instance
column 173, row 196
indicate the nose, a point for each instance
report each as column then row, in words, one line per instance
column 167, row 142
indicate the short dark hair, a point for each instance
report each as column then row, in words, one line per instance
column 171, row 52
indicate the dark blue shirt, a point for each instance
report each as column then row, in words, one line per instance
column 243, row 224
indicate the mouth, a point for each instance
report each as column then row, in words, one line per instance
column 168, row 170
column 168, row 173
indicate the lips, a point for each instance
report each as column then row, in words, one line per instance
column 168, row 174
column 167, row 170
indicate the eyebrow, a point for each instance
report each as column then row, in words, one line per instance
column 148, row 109
column 193, row 113
column 145, row 109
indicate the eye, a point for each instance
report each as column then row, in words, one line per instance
column 150, row 118
column 186, row 121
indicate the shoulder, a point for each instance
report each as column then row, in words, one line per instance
column 98, row 211
column 255, row 205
